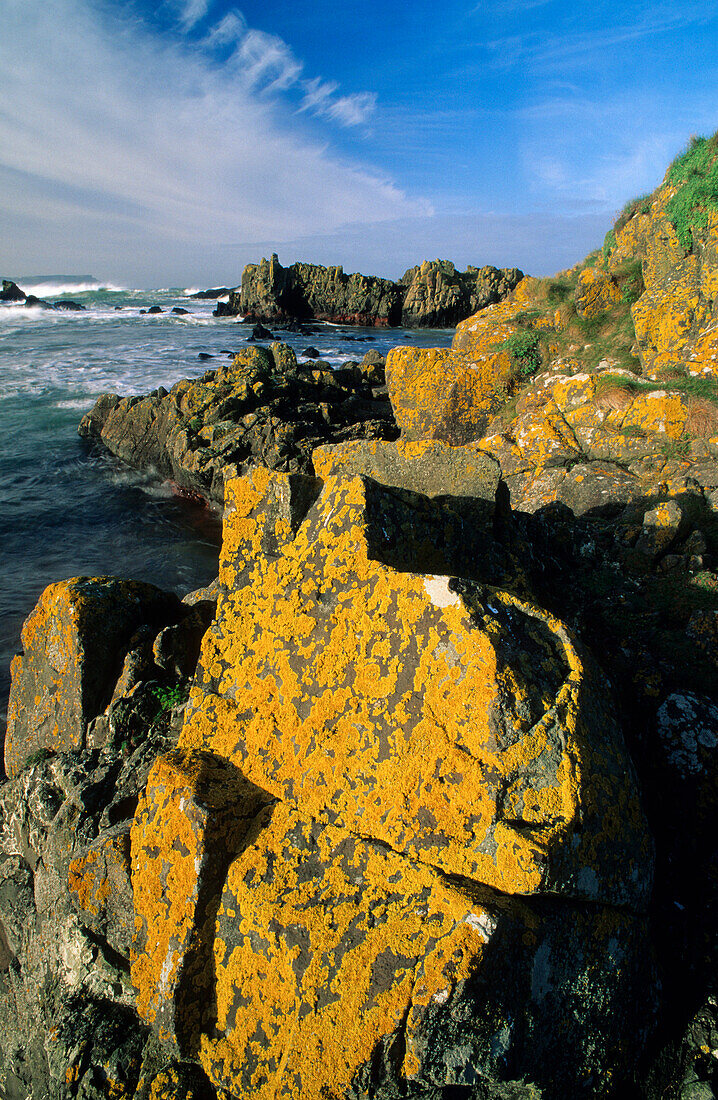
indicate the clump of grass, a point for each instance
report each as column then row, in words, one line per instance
column 677, row 448
column 557, row 292
column 37, row 757
column 695, row 173
column 525, row 350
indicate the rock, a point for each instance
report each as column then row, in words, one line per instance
column 440, row 394
column 11, row 292
column 310, row 353
column 377, row 874
column 259, row 410
column 224, row 309
column 661, row 526
column 595, row 293
column 688, row 731
column 439, row 296
column 430, row 468
column 307, row 291
column 180, row 311
column 70, row 306
column 259, row 332
column 74, row 643
column 203, row 355
column 33, row 302
column 212, row 293
column 154, row 310
column 433, row 295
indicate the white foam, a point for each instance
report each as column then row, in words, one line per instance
column 57, row 290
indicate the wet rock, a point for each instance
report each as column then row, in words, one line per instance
column 261, row 409
column 11, row 292
column 180, row 311
column 68, row 305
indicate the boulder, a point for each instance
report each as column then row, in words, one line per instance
column 69, row 306
column 74, row 643
column 441, row 394
column 425, row 855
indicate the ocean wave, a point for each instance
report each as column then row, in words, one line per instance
column 76, row 403
column 58, row 289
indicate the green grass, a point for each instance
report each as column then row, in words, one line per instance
column 557, row 292
column 37, row 757
column 706, row 388
column 695, row 173
column 525, row 350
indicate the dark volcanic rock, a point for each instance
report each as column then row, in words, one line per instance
column 260, row 409
column 305, row 291
column 155, row 309
column 31, row 300
column 180, row 311
column 439, row 296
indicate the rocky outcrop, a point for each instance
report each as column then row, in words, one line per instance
column 261, row 409
column 434, row 295
column 439, row 296
column 273, row 293
column 11, row 292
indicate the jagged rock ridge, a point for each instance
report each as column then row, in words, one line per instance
column 433, row 295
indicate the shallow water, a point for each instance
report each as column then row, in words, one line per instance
column 71, row 510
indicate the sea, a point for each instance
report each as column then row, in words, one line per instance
column 68, row 507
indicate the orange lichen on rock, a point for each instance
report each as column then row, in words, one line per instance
column 362, row 937
column 596, row 292
column 103, row 871
column 194, row 810
column 73, row 644
column 372, row 697
column 441, row 394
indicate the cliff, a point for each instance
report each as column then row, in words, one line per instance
column 434, row 295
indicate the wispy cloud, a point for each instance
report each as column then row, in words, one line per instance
column 180, row 154
column 554, row 49
column 192, row 11
column 349, row 110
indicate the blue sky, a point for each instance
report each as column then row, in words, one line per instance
column 171, row 143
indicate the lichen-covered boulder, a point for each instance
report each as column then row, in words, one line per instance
column 306, row 691
column 596, row 291
column 441, row 394
column 426, row 852
column 74, row 643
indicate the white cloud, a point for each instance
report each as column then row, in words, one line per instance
column 229, row 31
column 267, row 61
column 347, row 110
column 150, row 150
column 192, row 11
